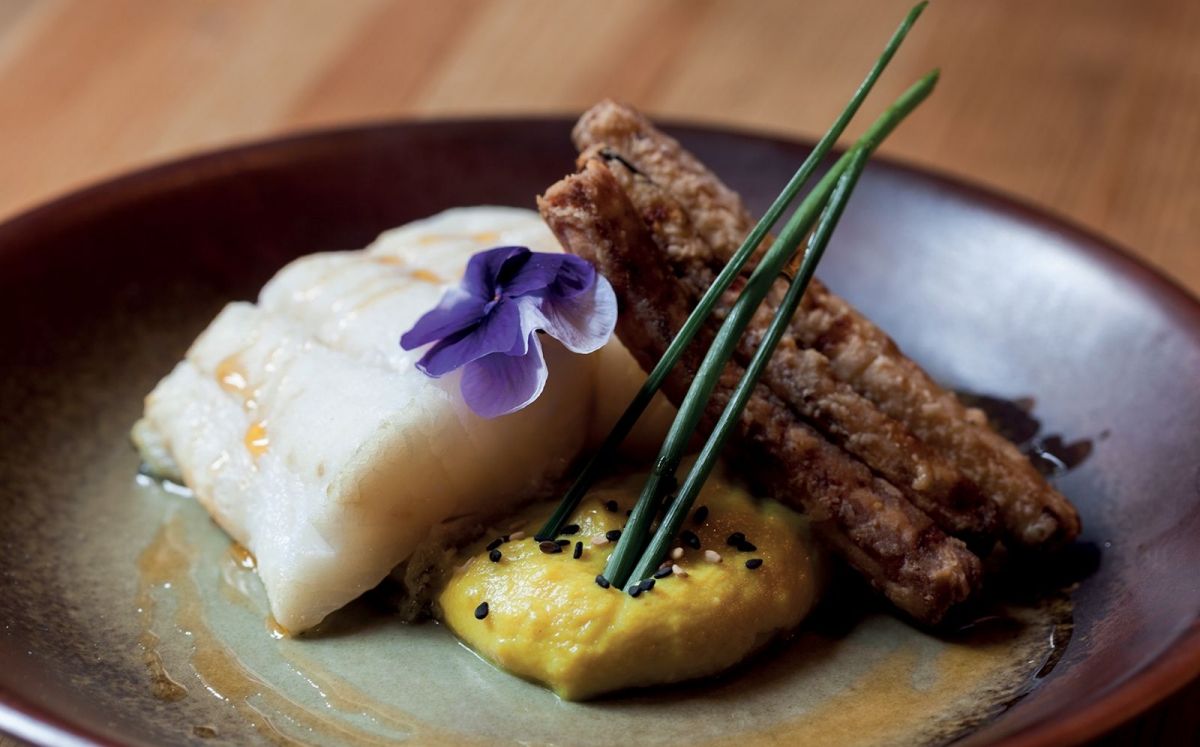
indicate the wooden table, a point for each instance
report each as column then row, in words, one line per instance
column 1088, row 108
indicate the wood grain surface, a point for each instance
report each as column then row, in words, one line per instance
column 1087, row 108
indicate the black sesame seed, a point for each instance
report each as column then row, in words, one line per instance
column 612, row 535
column 550, row 547
column 578, row 551
column 629, row 512
column 481, row 611
column 753, row 563
column 494, row 556
column 611, row 506
column 700, row 515
column 602, row 582
column 690, row 539
column 635, row 590
column 495, row 543
column 647, row 584
column 563, row 542
column 747, row 546
column 735, row 539
column 570, row 529
column 663, row 572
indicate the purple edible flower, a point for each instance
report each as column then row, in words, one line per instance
column 488, row 325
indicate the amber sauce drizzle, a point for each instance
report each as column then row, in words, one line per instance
column 341, row 694
column 373, row 298
column 426, row 276
column 315, row 289
column 231, row 375
column 482, row 237
column 257, row 441
column 377, row 287
column 242, row 557
column 151, row 567
column 165, row 565
column 394, row 285
column 884, row 707
column 237, row 578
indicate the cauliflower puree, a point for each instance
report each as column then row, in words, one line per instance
column 547, row 620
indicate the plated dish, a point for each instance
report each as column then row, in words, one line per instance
column 122, row 313
column 206, row 655
column 339, row 460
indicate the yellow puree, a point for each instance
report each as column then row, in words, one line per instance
column 548, row 621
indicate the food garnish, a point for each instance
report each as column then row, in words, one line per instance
column 638, row 553
column 488, row 325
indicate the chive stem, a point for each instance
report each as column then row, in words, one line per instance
column 633, row 541
column 687, row 332
column 707, row 458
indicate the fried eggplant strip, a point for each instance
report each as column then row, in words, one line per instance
column 898, row 548
column 802, row 377
column 859, row 354
column 664, row 161
column 1034, row 513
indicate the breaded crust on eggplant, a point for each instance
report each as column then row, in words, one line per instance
column 852, row 350
column 899, row 549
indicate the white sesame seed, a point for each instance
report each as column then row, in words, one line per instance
column 712, row 556
column 678, row 571
column 599, row 539
column 516, row 536
column 677, row 553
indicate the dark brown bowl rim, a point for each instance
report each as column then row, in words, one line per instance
column 1171, row 670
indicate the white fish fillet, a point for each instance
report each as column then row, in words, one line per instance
column 305, row 430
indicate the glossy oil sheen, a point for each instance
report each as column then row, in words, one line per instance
column 101, row 293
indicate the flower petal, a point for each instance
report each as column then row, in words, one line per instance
column 582, row 323
column 457, row 311
column 576, row 276
column 489, row 325
column 487, row 270
column 535, row 276
column 500, row 384
column 551, row 275
column 498, row 332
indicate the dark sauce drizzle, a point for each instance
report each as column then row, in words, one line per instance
column 1052, row 454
